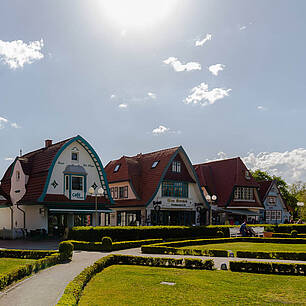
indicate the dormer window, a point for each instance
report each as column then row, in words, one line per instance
column 117, row 168
column 17, row 175
column 155, row 164
column 176, row 166
column 74, row 156
column 247, row 175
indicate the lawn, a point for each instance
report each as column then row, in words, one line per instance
column 138, row 285
column 9, row 264
column 251, row 246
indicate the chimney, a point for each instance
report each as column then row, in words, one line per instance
column 48, row 143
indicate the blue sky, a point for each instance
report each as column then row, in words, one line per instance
column 124, row 83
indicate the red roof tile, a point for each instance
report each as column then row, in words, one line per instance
column 138, row 170
column 221, row 176
column 264, row 186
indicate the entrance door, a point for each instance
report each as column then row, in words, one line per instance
column 57, row 224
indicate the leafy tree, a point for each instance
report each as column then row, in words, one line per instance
column 298, row 189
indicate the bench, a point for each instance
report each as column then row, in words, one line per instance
column 258, row 230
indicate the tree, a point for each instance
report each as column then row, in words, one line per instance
column 298, row 189
column 289, row 197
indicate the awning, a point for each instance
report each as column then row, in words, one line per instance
column 79, row 211
column 241, row 212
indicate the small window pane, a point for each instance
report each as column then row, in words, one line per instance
column 117, row 168
column 77, row 183
column 74, row 156
column 155, row 164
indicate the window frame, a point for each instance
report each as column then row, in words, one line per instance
column 75, row 154
column 123, row 192
column 117, row 167
column 155, row 163
column 175, row 189
column 244, row 194
column 176, row 166
column 82, row 182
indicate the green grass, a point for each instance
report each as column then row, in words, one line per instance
column 251, row 246
column 9, row 264
column 136, row 285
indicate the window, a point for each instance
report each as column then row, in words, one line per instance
column 17, row 175
column 176, row 166
column 244, row 194
column 123, row 192
column 175, row 189
column 114, row 192
column 131, row 218
column 247, row 175
column 155, row 164
column 273, row 215
column 117, row 168
column 66, row 182
column 272, row 201
column 77, row 183
column 74, row 156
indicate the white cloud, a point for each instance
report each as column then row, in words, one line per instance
column 200, row 43
column 222, row 155
column 214, row 69
column 152, row 95
column 15, row 125
column 242, row 28
column 123, row 105
column 17, row 53
column 261, row 108
column 8, row 158
column 3, row 121
column 112, row 96
column 178, row 66
column 160, row 130
column 290, row 165
column 200, row 94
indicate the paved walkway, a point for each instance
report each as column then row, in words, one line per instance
column 47, row 286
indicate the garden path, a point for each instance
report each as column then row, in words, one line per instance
column 47, row 286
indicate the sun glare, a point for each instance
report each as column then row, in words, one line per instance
column 137, row 13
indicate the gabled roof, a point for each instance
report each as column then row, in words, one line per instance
column 37, row 165
column 138, row 170
column 221, row 176
column 264, row 188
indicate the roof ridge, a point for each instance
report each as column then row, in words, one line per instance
column 217, row 161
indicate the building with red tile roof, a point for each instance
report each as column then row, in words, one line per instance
column 276, row 210
column 156, row 188
column 235, row 188
column 48, row 188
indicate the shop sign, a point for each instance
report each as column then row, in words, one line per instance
column 175, row 203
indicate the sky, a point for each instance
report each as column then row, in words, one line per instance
column 221, row 78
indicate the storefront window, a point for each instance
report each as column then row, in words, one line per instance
column 82, row 220
column 175, row 189
column 129, row 218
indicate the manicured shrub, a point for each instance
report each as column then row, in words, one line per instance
column 273, row 255
column 25, row 254
column 294, row 233
column 268, row 267
column 66, row 250
column 220, row 234
column 7, row 279
column 107, row 244
column 286, row 235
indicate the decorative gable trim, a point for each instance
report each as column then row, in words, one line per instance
column 95, row 158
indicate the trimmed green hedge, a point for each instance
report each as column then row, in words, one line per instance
column 7, row 279
column 268, row 267
column 26, row 254
column 286, row 235
column 98, row 246
column 74, row 289
column 273, row 255
column 130, row 233
column 177, row 247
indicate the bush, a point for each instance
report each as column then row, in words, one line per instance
column 107, row 244
column 220, row 234
column 268, row 267
column 7, row 279
column 97, row 246
column 66, row 250
column 273, row 255
column 294, row 233
column 286, row 235
column 26, row 254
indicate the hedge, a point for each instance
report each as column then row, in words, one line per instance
column 273, row 255
column 130, row 233
column 98, row 246
column 286, row 235
column 74, row 289
column 177, row 247
column 7, row 279
column 268, row 267
column 26, row 254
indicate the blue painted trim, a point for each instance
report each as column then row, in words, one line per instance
column 70, row 182
column 180, row 149
column 43, row 195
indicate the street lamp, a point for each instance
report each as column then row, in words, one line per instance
column 156, row 205
column 210, row 200
column 97, row 194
